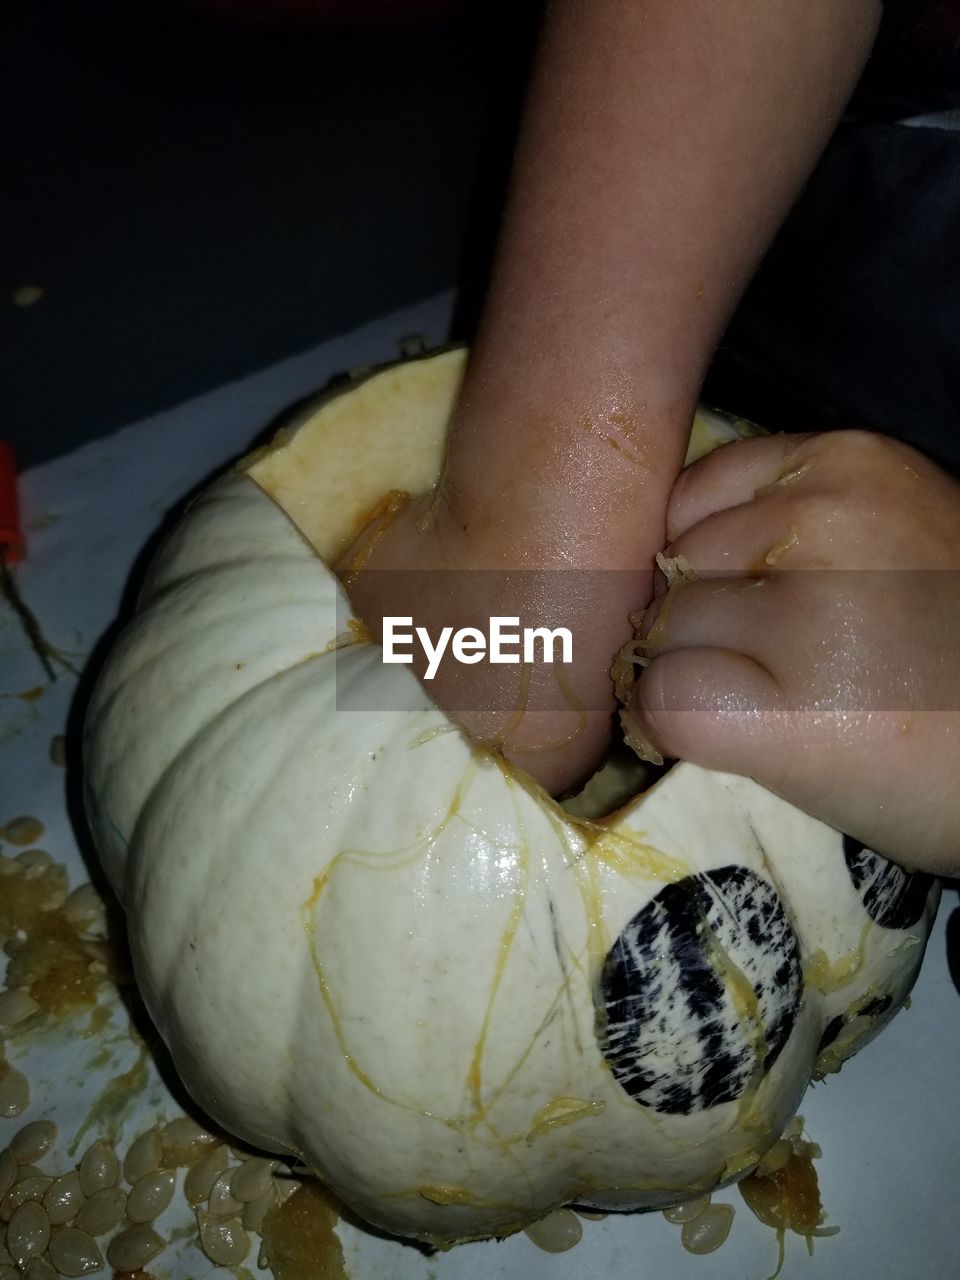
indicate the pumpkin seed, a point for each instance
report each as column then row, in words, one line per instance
column 142, row 1158
column 40, row 1269
column 58, row 750
column 24, row 1189
column 184, row 1141
column 16, row 1006
column 223, row 1240
column 74, row 1252
column 151, row 1195
column 8, row 1273
column 221, row 1202
column 14, row 1091
column 252, row 1178
column 556, row 1232
column 103, row 1211
column 34, row 860
column 795, row 1128
column 132, row 1249
column 687, row 1211
column 284, row 1186
column 779, row 1155
column 84, row 905
column 63, row 1199
column 99, row 1168
column 33, row 1141
column 23, row 830
column 254, row 1211
column 200, row 1177
column 8, row 1170
column 708, row 1232
column 28, row 1232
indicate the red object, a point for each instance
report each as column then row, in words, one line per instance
column 12, row 544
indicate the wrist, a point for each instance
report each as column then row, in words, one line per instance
column 560, row 482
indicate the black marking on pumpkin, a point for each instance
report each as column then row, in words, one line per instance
column 830, row 1032
column 874, row 1008
column 672, row 1029
column 892, row 898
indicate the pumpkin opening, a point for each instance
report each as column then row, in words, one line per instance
column 394, row 423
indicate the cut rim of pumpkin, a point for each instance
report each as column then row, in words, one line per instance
column 332, row 467
column 394, row 421
column 348, row 456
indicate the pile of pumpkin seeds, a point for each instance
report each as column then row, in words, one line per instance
column 103, row 1211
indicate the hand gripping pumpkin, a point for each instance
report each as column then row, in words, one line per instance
column 372, row 944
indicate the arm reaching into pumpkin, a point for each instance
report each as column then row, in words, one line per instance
column 818, row 652
column 662, row 145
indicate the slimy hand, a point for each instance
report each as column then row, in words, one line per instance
column 444, row 569
column 818, row 651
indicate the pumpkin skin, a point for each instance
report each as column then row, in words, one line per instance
column 371, row 944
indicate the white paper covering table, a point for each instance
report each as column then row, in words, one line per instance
column 889, row 1125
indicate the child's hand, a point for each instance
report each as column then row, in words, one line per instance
column 820, row 651
column 543, row 559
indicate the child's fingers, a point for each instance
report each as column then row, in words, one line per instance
column 753, row 537
column 724, row 710
column 716, row 708
column 729, row 477
column 887, row 779
column 745, row 615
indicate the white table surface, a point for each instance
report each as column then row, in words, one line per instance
column 889, row 1124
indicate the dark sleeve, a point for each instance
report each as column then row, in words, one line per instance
column 854, row 317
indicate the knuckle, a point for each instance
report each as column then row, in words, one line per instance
column 822, row 510
column 859, row 453
column 854, row 477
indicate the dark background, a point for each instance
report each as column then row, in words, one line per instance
column 200, row 192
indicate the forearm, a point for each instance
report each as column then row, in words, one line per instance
column 663, row 143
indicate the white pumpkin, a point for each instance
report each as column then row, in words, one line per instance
column 372, row 944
